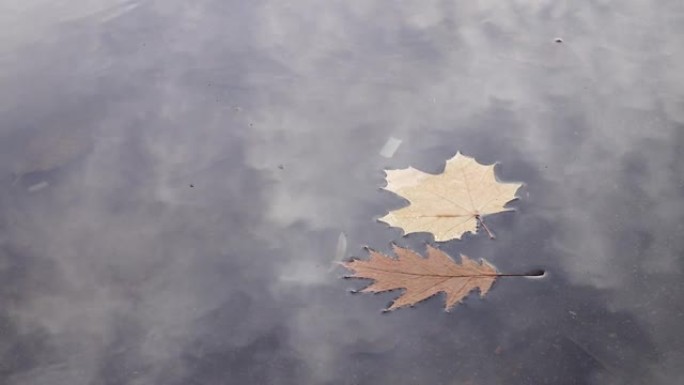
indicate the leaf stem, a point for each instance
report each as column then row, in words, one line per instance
column 484, row 226
column 534, row 273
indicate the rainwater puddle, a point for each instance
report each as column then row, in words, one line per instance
column 179, row 182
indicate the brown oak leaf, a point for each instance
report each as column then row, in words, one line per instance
column 423, row 277
column 451, row 203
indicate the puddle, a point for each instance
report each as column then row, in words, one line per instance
column 152, row 231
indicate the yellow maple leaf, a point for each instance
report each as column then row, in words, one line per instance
column 451, row 203
column 424, row 277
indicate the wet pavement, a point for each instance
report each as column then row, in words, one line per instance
column 175, row 178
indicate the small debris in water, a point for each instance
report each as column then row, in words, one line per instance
column 558, row 40
column 280, row 166
column 390, row 147
column 115, row 13
column 340, row 250
column 192, row 185
column 38, row 186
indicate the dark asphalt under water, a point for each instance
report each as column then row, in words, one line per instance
column 175, row 176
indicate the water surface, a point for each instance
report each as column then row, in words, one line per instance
column 175, row 177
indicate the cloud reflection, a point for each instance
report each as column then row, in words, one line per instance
column 189, row 239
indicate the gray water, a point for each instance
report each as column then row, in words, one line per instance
column 175, row 177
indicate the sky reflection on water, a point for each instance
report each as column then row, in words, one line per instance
column 175, row 178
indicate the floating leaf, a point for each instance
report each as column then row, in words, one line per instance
column 424, row 277
column 451, row 203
